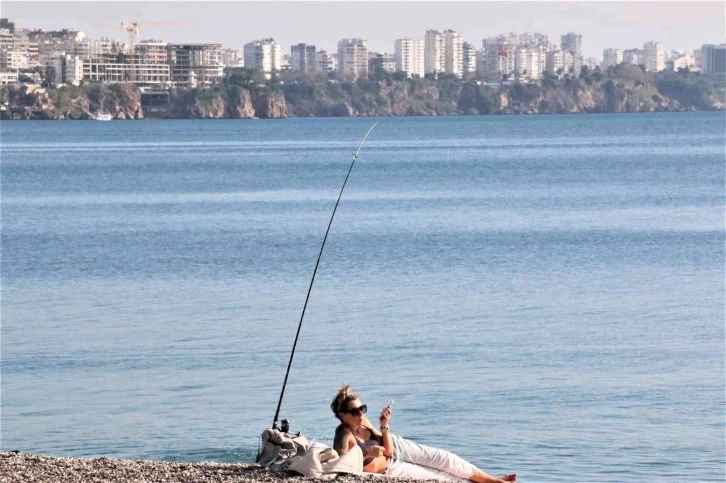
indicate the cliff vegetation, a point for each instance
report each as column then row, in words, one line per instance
column 245, row 95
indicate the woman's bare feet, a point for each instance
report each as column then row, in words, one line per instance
column 481, row 477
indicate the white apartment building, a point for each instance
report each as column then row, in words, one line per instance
column 514, row 52
column 443, row 52
column 66, row 40
column 232, row 57
column 527, row 62
column 611, row 57
column 353, row 58
column 115, row 68
column 409, row 56
column 13, row 59
column 7, row 40
column 88, row 47
column 302, row 58
column 380, row 62
column 263, row 56
column 454, row 57
column 683, row 62
column 152, row 51
column 654, row 56
column 72, row 66
column 8, row 76
column 559, row 59
column 469, row 58
column 29, row 47
column 633, row 56
column 325, row 62
column 499, row 59
column 193, row 64
column 434, row 52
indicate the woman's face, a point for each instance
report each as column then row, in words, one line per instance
column 353, row 414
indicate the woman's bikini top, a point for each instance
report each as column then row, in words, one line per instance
column 365, row 445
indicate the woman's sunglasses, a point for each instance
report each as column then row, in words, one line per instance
column 362, row 409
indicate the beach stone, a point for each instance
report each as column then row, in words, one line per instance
column 16, row 467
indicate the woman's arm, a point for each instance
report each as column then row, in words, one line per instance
column 344, row 439
column 383, row 438
column 386, row 439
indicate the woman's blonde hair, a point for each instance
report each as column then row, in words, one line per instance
column 342, row 398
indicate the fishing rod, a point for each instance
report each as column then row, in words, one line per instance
column 310, row 288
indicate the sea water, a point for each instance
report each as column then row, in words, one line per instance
column 541, row 295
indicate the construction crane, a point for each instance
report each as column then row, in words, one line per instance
column 133, row 29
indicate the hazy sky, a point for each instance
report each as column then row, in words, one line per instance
column 679, row 25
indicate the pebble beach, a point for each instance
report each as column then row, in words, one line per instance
column 26, row 468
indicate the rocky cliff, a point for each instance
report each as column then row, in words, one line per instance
column 623, row 89
column 70, row 102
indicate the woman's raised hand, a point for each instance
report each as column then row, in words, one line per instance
column 386, row 415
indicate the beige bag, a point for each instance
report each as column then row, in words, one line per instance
column 321, row 461
column 278, row 448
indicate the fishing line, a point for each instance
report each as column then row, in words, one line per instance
column 310, row 288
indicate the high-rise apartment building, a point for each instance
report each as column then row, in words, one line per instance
column 409, row 56
column 560, row 59
column 633, row 56
column 454, row 56
column 522, row 54
column 469, row 58
column 263, row 55
column 654, row 56
column 7, row 24
column 7, row 40
column 195, row 64
column 302, row 58
column 527, row 62
column 379, row 62
column 611, row 57
column 572, row 42
column 434, row 52
column 713, row 59
column 325, row 62
column 151, row 51
column 353, row 58
column 443, row 52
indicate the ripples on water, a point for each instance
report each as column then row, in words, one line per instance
column 541, row 294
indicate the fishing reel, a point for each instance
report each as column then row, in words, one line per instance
column 285, row 428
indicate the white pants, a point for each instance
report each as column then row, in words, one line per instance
column 413, row 460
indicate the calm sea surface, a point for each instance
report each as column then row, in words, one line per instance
column 538, row 294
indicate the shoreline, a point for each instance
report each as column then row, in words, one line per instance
column 16, row 467
column 495, row 114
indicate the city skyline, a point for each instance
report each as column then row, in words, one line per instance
column 622, row 25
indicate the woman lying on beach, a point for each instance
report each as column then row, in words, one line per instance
column 392, row 455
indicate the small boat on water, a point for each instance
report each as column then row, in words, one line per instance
column 103, row 116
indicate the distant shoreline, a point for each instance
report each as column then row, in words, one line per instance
column 625, row 88
column 151, row 118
